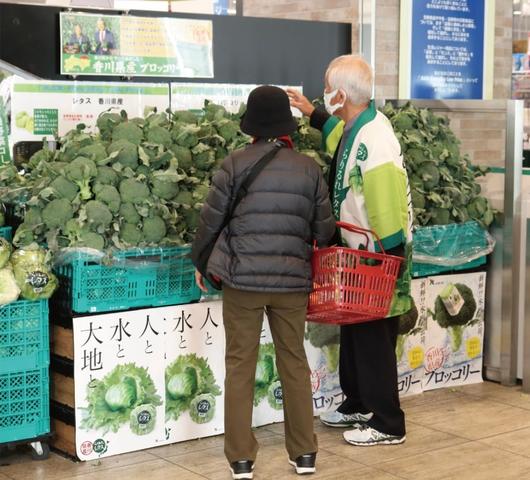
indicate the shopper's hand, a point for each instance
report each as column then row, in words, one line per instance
column 299, row 101
column 199, row 280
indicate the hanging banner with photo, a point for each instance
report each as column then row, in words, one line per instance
column 43, row 109
column 129, row 46
column 455, row 330
column 446, row 49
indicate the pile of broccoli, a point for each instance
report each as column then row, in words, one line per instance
column 443, row 181
column 138, row 182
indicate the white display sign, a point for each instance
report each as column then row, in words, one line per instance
column 191, row 96
column 195, row 341
column 119, row 382
column 44, row 109
column 454, row 341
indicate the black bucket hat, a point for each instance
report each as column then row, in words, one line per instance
column 268, row 113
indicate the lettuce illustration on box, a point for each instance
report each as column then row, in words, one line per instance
column 125, row 395
column 190, row 385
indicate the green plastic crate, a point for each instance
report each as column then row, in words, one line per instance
column 139, row 278
column 420, row 270
column 442, row 240
column 7, row 233
column 24, row 405
column 24, row 336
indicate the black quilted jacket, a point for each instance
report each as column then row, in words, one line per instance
column 267, row 244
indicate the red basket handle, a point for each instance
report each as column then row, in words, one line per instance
column 361, row 231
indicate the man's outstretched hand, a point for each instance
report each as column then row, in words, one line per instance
column 299, row 101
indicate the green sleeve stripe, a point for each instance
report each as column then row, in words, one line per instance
column 331, row 134
column 393, row 241
column 386, row 200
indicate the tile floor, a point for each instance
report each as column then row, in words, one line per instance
column 476, row 432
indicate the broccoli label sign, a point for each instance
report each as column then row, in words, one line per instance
column 453, row 347
column 130, row 46
column 5, row 156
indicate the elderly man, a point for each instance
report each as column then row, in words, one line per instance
column 369, row 188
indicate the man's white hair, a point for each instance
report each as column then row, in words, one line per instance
column 352, row 74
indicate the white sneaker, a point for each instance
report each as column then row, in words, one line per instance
column 341, row 420
column 366, row 436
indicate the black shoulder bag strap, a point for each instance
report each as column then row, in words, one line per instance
column 240, row 194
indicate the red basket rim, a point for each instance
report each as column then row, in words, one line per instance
column 375, row 255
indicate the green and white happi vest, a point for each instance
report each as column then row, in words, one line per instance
column 372, row 191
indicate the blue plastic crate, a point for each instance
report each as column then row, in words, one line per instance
column 7, row 233
column 448, row 241
column 139, row 278
column 24, row 336
column 24, row 405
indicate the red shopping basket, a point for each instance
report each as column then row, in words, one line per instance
column 352, row 286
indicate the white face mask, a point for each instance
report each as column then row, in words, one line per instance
column 331, row 109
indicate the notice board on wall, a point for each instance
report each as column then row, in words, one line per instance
column 446, row 49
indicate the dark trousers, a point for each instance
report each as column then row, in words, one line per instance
column 368, row 373
column 243, row 319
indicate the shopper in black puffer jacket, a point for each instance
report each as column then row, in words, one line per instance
column 263, row 260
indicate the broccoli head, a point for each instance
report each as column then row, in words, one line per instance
column 183, row 156
column 185, row 116
column 99, row 216
column 457, row 322
column 88, row 239
column 154, row 229
column 106, row 176
column 129, row 213
column 81, row 171
column 96, row 152
column 44, row 155
column 327, row 338
column 57, row 213
column 159, row 136
column 109, row 196
column 203, row 156
column 33, row 216
column 133, row 191
column 64, row 188
column 130, row 234
column 127, row 153
column 165, row 183
column 429, row 173
column 128, row 131
column 186, row 135
column 106, row 123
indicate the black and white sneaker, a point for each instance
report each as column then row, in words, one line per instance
column 242, row 470
column 343, row 420
column 365, row 436
column 304, row 464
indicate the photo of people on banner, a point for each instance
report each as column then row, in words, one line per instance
column 91, row 35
